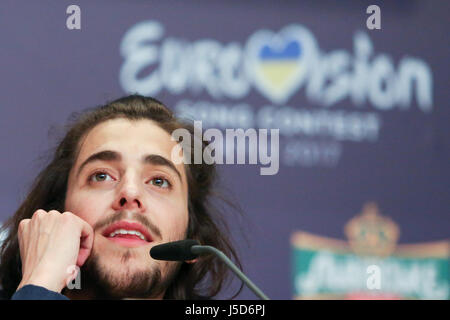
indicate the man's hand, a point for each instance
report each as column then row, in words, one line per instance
column 50, row 243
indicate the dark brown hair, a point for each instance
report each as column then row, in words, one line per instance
column 203, row 279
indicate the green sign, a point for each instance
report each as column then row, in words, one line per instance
column 324, row 273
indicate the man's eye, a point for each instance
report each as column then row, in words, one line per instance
column 160, row 182
column 99, row 176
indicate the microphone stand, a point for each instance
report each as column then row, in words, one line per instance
column 198, row 250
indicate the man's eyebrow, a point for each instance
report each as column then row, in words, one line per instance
column 113, row 156
column 158, row 160
column 106, row 155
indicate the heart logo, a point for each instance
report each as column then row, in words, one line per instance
column 279, row 63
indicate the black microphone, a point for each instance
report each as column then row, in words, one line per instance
column 183, row 250
column 174, row 251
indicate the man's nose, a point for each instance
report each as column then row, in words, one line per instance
column 129, row 194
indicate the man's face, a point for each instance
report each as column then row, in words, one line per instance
column 134, row 186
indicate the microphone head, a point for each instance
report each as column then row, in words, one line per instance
column 174, row 251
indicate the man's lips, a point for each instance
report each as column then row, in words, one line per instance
column 126, row 230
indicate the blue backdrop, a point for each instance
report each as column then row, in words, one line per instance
column 363, row 114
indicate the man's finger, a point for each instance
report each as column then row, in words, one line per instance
column 86, row 242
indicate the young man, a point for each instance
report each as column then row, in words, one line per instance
column 110, row 193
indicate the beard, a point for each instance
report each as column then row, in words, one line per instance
column 100, row 281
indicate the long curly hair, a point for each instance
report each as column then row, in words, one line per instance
column 203, row 279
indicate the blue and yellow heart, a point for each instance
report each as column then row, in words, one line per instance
column 278, row 66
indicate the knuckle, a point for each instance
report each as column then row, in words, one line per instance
column 67, row 216
column 22, row 224
column 39, row 213
column 21, row 232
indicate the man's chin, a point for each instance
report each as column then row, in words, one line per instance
column 120, row 277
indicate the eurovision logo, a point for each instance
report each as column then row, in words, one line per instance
column 277, row 64
column 325, row 268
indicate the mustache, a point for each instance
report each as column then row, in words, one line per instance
column 132, row 216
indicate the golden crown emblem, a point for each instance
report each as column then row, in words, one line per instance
column 372, row 234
